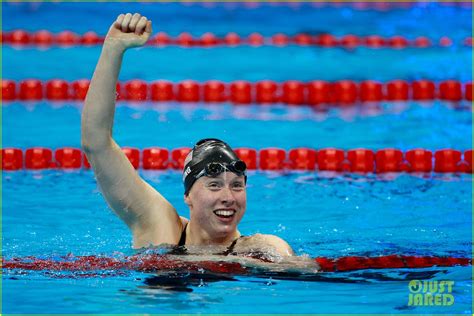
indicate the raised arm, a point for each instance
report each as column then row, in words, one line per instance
column 150, row 217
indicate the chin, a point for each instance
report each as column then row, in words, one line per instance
column 224, row 230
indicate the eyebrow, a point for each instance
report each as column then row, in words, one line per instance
column 210, row 180
column 220, row 180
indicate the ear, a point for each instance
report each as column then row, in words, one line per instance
column 187, row 200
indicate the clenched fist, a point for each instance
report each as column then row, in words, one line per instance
column 129, row 31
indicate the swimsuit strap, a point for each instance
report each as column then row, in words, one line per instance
column 182, row 240
column 230, row 250
column 180, row 249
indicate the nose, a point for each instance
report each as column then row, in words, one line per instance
column 227, row 196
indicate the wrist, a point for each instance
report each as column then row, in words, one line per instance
column 112, row 45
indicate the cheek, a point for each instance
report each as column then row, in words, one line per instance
column 200, row 213
column 242, row 199
column 242, row 202
column 203, row 203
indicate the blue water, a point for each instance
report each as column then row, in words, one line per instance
column 431, row 20
column 53, row 213
column 433, row 125
column 321, row 216
column 249, row 63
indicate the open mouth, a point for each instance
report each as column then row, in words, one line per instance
column 225, row 213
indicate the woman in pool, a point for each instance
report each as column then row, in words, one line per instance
column 214, row 178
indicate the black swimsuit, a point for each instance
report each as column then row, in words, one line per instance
column 180, row 249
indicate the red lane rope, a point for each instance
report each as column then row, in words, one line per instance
column 359, row 160
column 357, row 5
column 162, row 262
column 296, row 5
column 292, row 92
column 45, row 38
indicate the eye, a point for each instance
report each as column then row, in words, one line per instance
column 238, row 185
column 213, row 185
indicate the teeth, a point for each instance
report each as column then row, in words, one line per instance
column 224, row 212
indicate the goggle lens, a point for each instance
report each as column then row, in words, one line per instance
column 215, row 168
column 239, row 166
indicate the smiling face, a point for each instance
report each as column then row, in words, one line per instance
column 217, row 205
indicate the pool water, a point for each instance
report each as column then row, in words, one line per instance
column 53, row 213
column 173, row 125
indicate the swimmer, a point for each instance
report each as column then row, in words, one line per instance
column 214, row 178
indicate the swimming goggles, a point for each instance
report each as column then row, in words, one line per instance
column 213, row 169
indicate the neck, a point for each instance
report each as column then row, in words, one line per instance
column 198, row 236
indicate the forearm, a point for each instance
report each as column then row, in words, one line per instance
column 99, row 107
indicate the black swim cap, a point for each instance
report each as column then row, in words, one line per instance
column 210, row 157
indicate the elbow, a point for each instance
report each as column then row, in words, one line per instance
column 86, row 139
column 85, row 145
column 86, row 134
column 93, row 142
column 94, row 137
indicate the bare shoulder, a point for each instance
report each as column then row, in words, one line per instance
column 269, row 241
